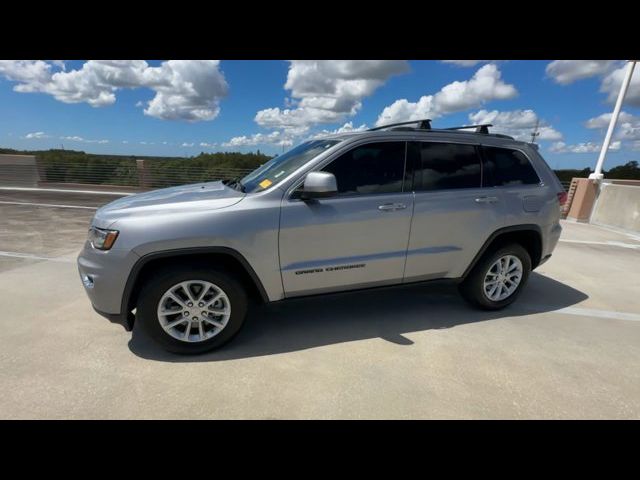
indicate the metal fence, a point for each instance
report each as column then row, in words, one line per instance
column 134, row 174
column 129, row 173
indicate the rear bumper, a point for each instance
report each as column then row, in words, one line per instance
column 543, row 260
column 552, row 237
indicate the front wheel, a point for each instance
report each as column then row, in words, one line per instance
column 498, row 278
column 192, row 311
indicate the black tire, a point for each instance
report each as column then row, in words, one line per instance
column 146, row 313
column 472, row 288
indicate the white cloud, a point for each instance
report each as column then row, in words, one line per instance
column 59, row 63
column 517, row 123
column 184, row 89
column 279, row 138
column 627, row 128
column 565, row 72
column 187, row 90
column 588, row 147
column 76, row 138
column 33, row 72
column 207, row 145
column 465, row 63
column 611, row 86
column 602, row 121
column 188, row 145
column 36, row 135
column 485, row 85
column 346, row 128
column 327, row 91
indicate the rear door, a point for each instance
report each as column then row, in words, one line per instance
column 453, row 213
column 357, row 238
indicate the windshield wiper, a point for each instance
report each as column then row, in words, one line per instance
column 235, row 183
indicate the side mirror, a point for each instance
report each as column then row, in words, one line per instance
column 319, row 185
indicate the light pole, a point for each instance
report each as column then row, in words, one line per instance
column 597, row 175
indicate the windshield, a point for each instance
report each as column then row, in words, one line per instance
column 279, row 167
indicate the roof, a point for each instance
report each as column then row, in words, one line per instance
column 423, row 127
column 457, row 134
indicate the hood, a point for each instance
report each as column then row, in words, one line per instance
column 189, row 198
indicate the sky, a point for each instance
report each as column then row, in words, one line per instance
column 184, row 107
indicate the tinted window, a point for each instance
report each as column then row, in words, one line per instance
column 370, row 168
column 440, row 166
column 508, row 167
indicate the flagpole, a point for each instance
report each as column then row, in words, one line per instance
column 598, row 175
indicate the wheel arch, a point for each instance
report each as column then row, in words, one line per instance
column 527, row 235
column 227, row 258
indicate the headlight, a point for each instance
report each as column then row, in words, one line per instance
column 102, row 239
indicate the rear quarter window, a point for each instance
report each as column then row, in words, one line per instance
column 505, row 166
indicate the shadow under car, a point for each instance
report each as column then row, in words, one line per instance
column 387, row 313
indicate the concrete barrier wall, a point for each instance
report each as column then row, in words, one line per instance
column 618, row 206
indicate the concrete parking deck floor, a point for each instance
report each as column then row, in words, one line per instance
column 569, row 348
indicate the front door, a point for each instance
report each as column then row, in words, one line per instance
column 357, row 238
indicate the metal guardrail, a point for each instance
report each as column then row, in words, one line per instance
column 137, row 174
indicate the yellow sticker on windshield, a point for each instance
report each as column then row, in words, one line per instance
column 265, row 183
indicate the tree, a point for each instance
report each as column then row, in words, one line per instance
column 628, row 171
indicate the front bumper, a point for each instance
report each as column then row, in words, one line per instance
column 126, row 320
column 104, row 275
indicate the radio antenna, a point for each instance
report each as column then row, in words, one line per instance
column 535, row 132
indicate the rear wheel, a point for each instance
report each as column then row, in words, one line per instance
column 192, row 311
column 498, row 278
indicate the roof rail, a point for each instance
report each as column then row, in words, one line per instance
column 483, row 128
column 423, row 124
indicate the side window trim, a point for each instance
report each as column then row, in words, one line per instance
column 487, row 178
column 296, row 185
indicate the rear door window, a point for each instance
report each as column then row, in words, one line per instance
column 505, row 166
column 444, row 166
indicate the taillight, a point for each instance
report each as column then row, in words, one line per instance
column 562, row 198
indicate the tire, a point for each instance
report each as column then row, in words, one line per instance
column 233, row 299
column 473, row 286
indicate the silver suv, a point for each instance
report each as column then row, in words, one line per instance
column 388, row 206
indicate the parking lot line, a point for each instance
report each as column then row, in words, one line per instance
column 591, row 312
column 63, row 190
column 51, row 205
column 36, row 257
column 610, row 243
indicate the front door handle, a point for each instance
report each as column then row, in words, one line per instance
column 392, row 207
column 486, row 199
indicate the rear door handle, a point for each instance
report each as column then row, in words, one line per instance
column 486, row 199
column 391, row 207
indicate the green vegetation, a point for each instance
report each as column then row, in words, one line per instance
column 567, row 175
column 204, row 167
column 628, row 171
column 71, row 166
